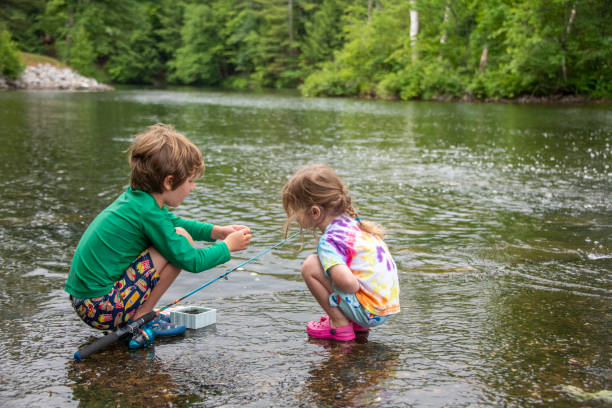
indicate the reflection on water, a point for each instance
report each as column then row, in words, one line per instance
column 351, row 374
column 116, row 378
column 549, row 342
column 499, row 218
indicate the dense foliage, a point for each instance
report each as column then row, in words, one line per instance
column 492, row 48
column 10, row 61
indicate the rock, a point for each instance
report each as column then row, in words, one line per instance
column 49, row 77
column 579, row 393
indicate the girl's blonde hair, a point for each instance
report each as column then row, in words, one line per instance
column 318, row 184
column 159, row 152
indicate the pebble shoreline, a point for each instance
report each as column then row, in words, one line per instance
column 49, row 77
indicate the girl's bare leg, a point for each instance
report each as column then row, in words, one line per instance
column 167, row 274
column 321, row 287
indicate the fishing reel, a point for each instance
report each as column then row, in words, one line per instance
column 143, row 337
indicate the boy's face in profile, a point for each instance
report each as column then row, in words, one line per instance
column 174, row 198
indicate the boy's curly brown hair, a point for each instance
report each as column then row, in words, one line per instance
column 159, row 152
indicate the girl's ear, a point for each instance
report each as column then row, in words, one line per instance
column 315, row 210
column 168, row 183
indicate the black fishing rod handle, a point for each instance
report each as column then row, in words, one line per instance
column 113, row 336
column 97, row 345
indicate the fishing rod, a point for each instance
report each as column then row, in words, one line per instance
column 133, row 327
column 228, row 272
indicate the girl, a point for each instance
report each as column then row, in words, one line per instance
column 352, row 276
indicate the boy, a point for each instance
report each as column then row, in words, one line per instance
column 135, row 248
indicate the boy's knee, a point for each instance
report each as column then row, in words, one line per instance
column 182, row 231
column 311, row 266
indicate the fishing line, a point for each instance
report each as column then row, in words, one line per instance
column 224, row 275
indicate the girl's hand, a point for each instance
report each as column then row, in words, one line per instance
column 239, row 239
column 222, row 232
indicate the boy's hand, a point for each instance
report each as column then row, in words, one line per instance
column 222, row 232
column 239, row 239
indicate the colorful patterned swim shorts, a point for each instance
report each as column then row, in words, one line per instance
column 126, row 296
column 353, row 310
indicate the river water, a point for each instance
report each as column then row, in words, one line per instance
column 499, row 218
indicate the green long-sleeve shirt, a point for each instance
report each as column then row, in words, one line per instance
column 132, row 223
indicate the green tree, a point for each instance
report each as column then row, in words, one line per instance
column 10, row 60
column 276, row 51
column 21, row 18
column 546, row 42
column 493, row 48
column 589, row 50
column 200, row 59
column 167, row 33
column 323, row 34
column 139, row 60
column 81, row 53
column 107, row 25
column 240, row 33
column 377, row 45
column 487, row 47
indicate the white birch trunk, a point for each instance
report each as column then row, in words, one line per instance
column 414, row 29
column 571, row 19
column 444, row 30
column 483, row 58
column 567, row 31
column 290, row 5
column 445, row 22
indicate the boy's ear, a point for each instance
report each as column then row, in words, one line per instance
column 168, row 183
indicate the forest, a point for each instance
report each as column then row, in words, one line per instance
column 390, row 49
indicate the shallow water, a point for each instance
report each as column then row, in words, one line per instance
column 499, row 218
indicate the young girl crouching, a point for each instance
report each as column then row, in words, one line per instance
column 352, row 276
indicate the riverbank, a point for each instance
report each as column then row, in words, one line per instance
column 56, row 76
column 555, row 99
column 525, row 99
column 45, row 76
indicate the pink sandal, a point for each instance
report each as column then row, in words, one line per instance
column 356, row 327
column 322, row 330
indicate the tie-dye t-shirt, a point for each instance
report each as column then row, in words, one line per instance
column 368, row 257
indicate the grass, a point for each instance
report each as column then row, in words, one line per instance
column 35, row 59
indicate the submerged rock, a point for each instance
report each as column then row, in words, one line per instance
column 50, row 77
column 579, row 393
